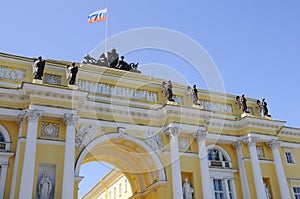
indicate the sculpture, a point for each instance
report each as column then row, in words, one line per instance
column 134, row 67
column 89, row 60
column 187, row 190
column 38, row 68
column 85, row 134
column 195, row 91
column 113, row 58
column 167, row 90
column 193, row 94
column 155, row 142
column 102, row 61
column 112, row 61
column 262, row 105
column 267, row 191
column 45, row 186
column 123, row 65
column 71, row 73
column 242, row 103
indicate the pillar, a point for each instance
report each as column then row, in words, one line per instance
column 283, row 186
column 258, row 181
column 16, row 162
column 207, row 191
column 2, row 179
column 243, row 174
column 68, row 175
column 172, row 132
column 26, row 186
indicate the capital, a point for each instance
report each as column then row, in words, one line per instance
column 20, row 119
column 33, row 115
column 273, row 144
column 237, row 145
column 200, row 135
column 121, row 131
column 70, row 119
column 172, row 132
column 251, row 141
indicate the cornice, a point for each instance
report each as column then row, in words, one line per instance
column 289, row 132
column 151, row 187
column 9, row 114
column 15, row 58
column 251, row 122
column 115, row 74
column 39, row 89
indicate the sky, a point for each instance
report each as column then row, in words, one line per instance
column 254, row 44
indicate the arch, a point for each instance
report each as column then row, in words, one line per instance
column 220, row 159
column 144, row 163
column 6, row 136
column 223, row 151
column 4, row 133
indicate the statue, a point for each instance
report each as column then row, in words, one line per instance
column 267, row 191
column 113, row 58
column 187, row 190
column 193, row 94
column 167, row 90
column 134, row 67
column 38, row 68
column 195, row 91
column 45, row 187
column 242, row 103
column 262, row 105
column 102, row 61
column 34, row 67
column 71, row 73
column 89, row 60
column 123, row 65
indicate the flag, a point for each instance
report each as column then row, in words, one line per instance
column 98, row 15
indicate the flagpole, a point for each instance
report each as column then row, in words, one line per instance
column 106, row 34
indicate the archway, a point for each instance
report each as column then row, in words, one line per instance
column 131, row 155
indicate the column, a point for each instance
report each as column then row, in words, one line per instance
column 243, row 175
column 207, row 191
column 68, row 175
column 2, row 179
column 26, row 186
column 283, row 186
column 16, row 163
column 172, row 132
column 258, row 181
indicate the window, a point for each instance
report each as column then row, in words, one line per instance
column 229, row 189
column 120, row 190
column 289, row 157
column 223, row 189
column 296, row 191
column 109, row 195
column 217, row 158
column 260, row 151
column 115, row 192
column 222, row 182
column 1, row 138
column 125, row 185
column 219, row 189
column 2, row 142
